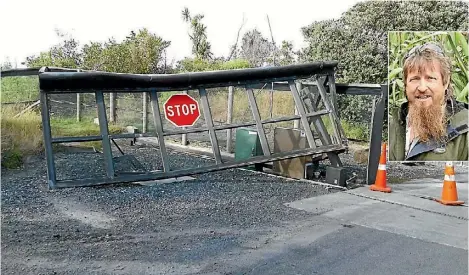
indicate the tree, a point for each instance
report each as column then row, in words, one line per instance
column 93, row 56
column 66, row 54
column 255, row 48
column 145, row 51
column 201, row 48
column 286, row 54
column 141, row 52
column 6, row 65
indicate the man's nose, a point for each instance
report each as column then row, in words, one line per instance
column 422, row 87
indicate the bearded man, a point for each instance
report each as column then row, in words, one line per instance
column 431, row 125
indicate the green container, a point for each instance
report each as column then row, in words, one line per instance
column 248, row 145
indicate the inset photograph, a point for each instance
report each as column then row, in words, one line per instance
column 428, row 96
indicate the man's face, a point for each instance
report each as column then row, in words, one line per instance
column 426, row 88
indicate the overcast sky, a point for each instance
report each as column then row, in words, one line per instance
column 28, row 26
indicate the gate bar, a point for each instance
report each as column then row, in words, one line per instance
column 103, row 127
column 332, row 116
column 155, row 107
column 46, row 130
column 209, row 122
column 259, row 126
column 302, row 112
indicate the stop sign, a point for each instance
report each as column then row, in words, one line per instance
column 181, row 110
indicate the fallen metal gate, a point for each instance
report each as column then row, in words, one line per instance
column 51, row 82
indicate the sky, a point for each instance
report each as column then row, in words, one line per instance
column 28, row 27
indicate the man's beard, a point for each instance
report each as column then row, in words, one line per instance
column 428, row 122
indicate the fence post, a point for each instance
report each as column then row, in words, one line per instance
column 112, row 107
column 78, row 104
column 184, row 136
column 78, row 107
column 229, row 118
column 145, row 112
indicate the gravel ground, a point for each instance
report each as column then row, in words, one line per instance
column 59, row 231
column 114, row 229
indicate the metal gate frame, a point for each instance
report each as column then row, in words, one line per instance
column 51, row 82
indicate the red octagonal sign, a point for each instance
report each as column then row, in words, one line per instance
column 181, row 110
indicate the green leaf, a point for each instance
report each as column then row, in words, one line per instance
column 462, row 97
column 394, row 73
column 400, row 83
column 457, row 55
column 458, row 81
column 462, row 41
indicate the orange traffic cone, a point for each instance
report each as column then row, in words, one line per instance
column 380, row 182
column 449, row 195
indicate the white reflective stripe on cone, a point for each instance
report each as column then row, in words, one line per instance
column 449, row 178
column 382, row 167
column 449, row 163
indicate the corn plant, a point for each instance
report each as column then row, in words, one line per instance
column 453, row 43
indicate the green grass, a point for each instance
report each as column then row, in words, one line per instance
column 19, row 88
column 352, row 131
column 22, row 136
column 72, row 127
column 65, row 127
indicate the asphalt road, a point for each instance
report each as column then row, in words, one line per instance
column 230, row 222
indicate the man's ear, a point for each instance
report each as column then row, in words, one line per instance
column 447, row 85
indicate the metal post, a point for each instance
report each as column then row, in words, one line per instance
column 145, row 112
column 304, row 119
column 78, row 104
column 209, row 122
column 112, row 107
column 78, row 107
column 159, row 129
column 376, row 136
column 229, row 119
column 296, row 123
column 332, row 116
column 257, row 118
column 332, row 90
column 103, row 127
column 51, row 176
